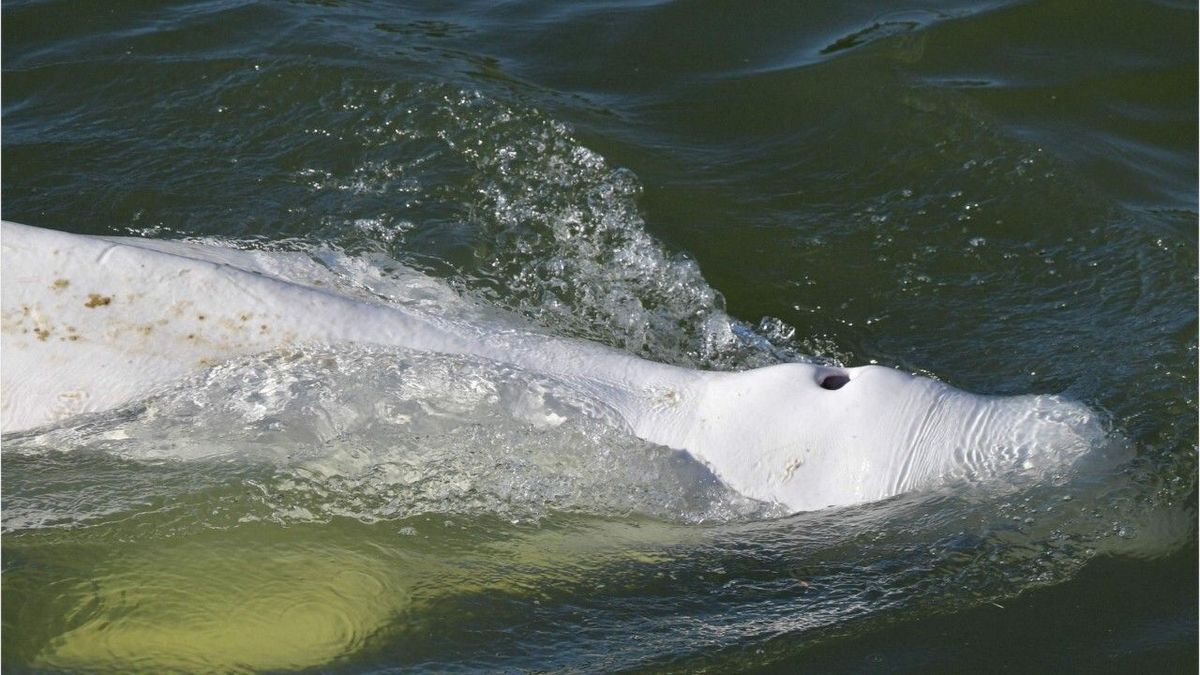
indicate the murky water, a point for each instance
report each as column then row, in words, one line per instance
column 1001, row 195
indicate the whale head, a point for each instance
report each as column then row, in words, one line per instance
column 810, row 437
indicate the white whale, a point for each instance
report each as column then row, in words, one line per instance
column 90, row 323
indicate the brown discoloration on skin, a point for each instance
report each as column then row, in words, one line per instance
column 200, row 317
column 13, row 321
column 177, row 309
column 245, row 317
column 147, row 329
column 29, row 319
column 97, row 300
column 59, row 284
column 262, row 329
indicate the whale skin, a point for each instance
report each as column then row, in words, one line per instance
column 90, row 323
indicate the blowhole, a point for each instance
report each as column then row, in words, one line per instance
column 834, row 381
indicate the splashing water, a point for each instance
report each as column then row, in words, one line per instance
column 538, row 224
column 374, row 434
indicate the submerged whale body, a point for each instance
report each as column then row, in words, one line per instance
column 90, row 323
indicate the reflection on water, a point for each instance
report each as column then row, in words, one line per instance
column 257, row 597
column 248, row 599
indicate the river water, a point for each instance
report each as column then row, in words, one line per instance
column 1002, row 195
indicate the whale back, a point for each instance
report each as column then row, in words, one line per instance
column 89, row 323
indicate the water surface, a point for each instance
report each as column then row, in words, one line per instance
column 998, row 194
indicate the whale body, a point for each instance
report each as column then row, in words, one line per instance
column 90, row 323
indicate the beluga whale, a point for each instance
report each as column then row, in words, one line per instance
column 91, row 323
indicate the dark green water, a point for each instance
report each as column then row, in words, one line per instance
column 1002, row 195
